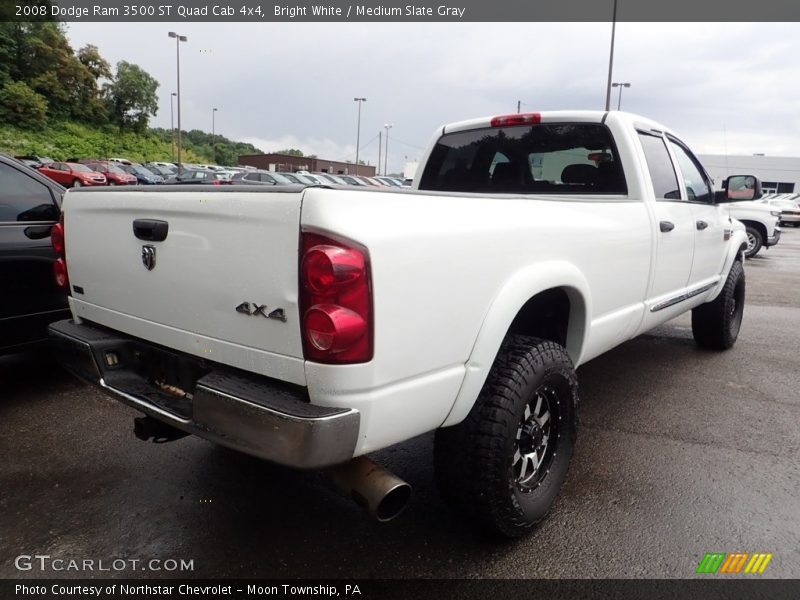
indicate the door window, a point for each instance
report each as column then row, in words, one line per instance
column 22, row 198
column 659, row 164
column 695, row 182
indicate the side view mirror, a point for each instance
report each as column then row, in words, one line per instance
column 737, row 188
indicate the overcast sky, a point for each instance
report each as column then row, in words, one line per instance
column 733, row 87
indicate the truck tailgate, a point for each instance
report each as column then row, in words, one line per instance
column 228, row 262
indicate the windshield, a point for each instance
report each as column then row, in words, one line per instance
column 553, row 158
column 81, row 168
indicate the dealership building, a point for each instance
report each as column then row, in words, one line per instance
column 291, row 163
column 778, row 174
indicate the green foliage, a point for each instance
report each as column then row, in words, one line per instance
column 290, row 152
column 64, row 139
column 21, row 105
column 202, row 143
column 39, row 55
column 131, row 98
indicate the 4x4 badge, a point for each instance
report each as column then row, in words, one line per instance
column 253, row 309
column 149, row 257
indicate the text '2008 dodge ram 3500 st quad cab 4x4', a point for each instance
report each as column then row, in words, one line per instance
column 310, row 326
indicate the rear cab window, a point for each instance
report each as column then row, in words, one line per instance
column 544, row 158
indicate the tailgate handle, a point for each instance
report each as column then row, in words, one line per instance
column 150, row 230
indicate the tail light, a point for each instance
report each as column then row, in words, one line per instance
column 60, row 264
column 335, row 300
column 516, row 119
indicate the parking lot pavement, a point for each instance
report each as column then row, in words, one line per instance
column 680, row 452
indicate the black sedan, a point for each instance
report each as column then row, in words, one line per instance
column 144, row 176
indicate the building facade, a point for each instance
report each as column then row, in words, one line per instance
column 778, row 174
column 290, row 163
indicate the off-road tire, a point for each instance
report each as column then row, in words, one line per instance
column 754, row 242
column 475, row 460
column 716, row 324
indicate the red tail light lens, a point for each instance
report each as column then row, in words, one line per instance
column 516, row 119
column 60, row 264
column 60, row 273
column 335, row 300
column 57, row 237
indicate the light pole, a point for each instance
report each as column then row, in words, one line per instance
column 214, row 133
column 172, row 121
column 388, row 126
column 611, row 56
column 358, row 128
column 380, row 145
column 620, row 86
column 178, row 40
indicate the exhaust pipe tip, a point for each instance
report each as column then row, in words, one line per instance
column 372, row 487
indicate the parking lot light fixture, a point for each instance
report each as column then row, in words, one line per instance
column 178, row 40
column 620, row 86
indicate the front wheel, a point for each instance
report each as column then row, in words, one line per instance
column 754, row 242
column 716, row 324
column 503, row 466
column 112, row 182
column 77, row 183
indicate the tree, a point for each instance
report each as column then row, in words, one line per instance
column 291, row 152
column 98, row 66
column 131, row 97
column 20, row 105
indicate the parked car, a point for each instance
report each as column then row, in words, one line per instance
column 369, row 181
column 313, row 326
column 197, row 177
column 34, row 162
column 122, row 161
column 165, row 170
column 143, row 175
column 260, row 177
column 389, row 181
column 788, row 205
column 114, row 172
column 350, row 180
column 330, row 178
column 30, row 205
column 70, row 174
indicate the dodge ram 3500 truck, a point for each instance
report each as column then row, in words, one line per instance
column 310, row 326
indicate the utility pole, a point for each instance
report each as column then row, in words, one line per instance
column 519, row 104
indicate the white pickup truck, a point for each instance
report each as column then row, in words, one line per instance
column 761, row 225
column 312, row 325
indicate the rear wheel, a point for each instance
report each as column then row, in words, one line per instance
column 754, row 241
column 716, row 324
column 503, row 466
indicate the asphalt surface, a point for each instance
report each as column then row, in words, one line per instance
column 680, row 452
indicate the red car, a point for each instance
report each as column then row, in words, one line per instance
column 113, row 174
column 72, row 174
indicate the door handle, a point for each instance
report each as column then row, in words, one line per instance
column 701, row 225
column 37, row 232
column 666, row 226
column 150, row 230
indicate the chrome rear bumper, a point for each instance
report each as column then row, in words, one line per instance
column 256, row 415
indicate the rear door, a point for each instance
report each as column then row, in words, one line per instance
column 30, row 298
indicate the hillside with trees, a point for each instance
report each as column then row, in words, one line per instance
column 60, row 103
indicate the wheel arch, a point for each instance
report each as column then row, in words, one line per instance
column 549, row 301
column 762, row 229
